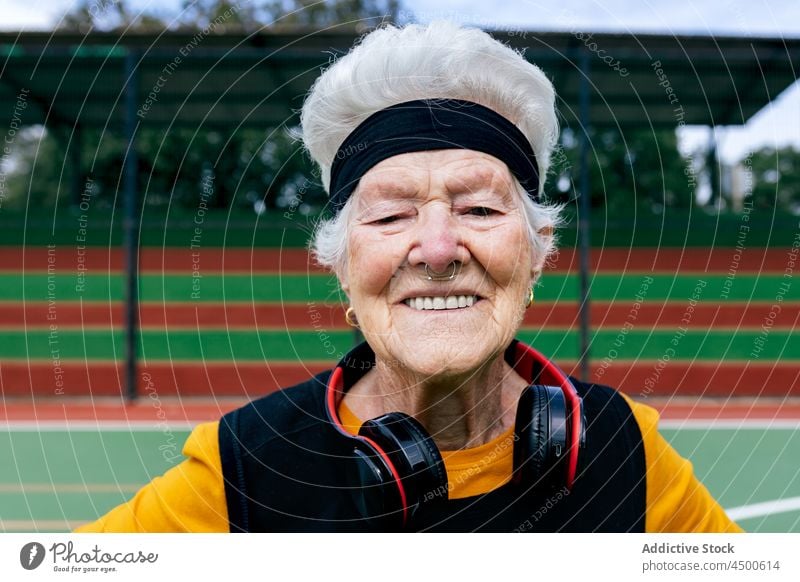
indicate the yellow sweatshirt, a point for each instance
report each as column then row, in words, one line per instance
column 191, row 496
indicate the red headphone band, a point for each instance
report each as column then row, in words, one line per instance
column 552, row 374
column 334, row 394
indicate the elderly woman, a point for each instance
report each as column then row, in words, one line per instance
column 434, row 144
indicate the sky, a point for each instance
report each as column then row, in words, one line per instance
column 776, row 125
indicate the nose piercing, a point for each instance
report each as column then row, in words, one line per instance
column 445, row 276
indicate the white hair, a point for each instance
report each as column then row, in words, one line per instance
column 440, row 60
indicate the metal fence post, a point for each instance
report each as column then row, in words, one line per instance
column 130, row 224
column 584, row 211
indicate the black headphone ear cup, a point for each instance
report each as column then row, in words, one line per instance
column 531, row 429
column 414, row 456
column 433, row 458
column 376, row 493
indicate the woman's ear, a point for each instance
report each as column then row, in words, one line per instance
column 538, row 259
column 546, row 232
column 344, row 282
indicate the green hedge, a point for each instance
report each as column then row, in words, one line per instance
column 675, row 228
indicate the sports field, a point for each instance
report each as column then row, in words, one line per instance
column 56, row 478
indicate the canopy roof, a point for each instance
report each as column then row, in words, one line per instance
column 232, row 80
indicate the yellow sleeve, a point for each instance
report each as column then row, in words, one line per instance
column 190, row 497
column 676, row 500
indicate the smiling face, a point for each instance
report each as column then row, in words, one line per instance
column 433, row 208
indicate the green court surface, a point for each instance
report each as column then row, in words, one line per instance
column 56, row 480
column 306, row 345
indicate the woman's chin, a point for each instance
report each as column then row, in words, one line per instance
column 433, row 344
column 439, row 356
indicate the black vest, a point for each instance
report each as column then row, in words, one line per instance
column 286, row 469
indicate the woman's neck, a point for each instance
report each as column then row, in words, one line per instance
column 459, row 411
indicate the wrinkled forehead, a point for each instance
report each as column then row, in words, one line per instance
column 420, row 174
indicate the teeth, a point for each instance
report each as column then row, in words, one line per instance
column 439, row 303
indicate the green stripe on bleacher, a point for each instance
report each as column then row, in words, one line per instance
column 281, row 345
column 172, row 226
column 302, row 288
column 235, row 288
column 178, row 345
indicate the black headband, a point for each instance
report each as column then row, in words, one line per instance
column 431, row 124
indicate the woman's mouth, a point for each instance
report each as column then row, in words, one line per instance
column 441, row 302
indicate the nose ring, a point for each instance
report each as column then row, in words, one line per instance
column 445, row 276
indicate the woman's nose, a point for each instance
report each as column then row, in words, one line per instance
column 439, row 242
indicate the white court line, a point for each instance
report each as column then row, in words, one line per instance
column 38, row 525
column 727, row 424
column 94, row 426
column 765, row 508
column 26, row 488
column 145, row 426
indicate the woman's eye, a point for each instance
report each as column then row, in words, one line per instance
column 480, row 211
column 387, row 219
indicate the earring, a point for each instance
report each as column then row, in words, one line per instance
column 349, row 317
column 529, row 302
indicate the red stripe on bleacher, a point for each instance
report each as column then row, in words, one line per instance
column 293, row 260
column 195, row 410
column 249, row 379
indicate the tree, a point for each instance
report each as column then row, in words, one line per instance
column 367, row 13
column 775, row 178
column 110, row 15
column 267, row 169
column 633, row 169
column 198, row 14
column 36, row 175
column 261, row 169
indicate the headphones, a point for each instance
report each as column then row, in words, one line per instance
column 400, row 472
